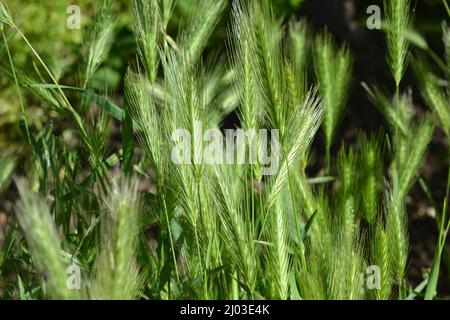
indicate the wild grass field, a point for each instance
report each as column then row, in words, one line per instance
column 213, row 149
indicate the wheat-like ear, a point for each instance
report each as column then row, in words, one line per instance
column 380, row 256
column 143, row 110
column 99, row 39
column 268, row 34
column 299, row 40
column 117, row 274
column 333, row 71
column 313, row 282
column 347, row 265
column 410, row 139
column 5, row 16
column 399, row 19
column 300, row 45
column 146, row 28
column 167, row 8
column 347, row 201
column 237, row 233
column 246, row 65
column 343, row 262
column 193, row 39
column 302, row 128
column 410, row 153
column 44, row 242
column 278, row 260
column 397, row 235
column 435, row 96
column 220, row 96
column 371, row 162
column 399, row 118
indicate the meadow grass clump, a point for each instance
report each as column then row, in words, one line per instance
column 108, row 195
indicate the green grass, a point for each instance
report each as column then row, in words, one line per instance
column 140, row 226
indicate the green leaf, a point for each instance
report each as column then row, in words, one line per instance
column 164, row 276
column 321, row 180
column 102, row 102
column 433, row 279
column 7, row 166
column 447, row 7
column 418, row 290
column 295, row 295
column 308, row 226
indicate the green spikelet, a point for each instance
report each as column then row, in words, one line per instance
column 333, row 72
column 117, row 274
column 44, row 243
column 399, row 19
column 380, row 256
column 435, row 96
column 371, row 175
